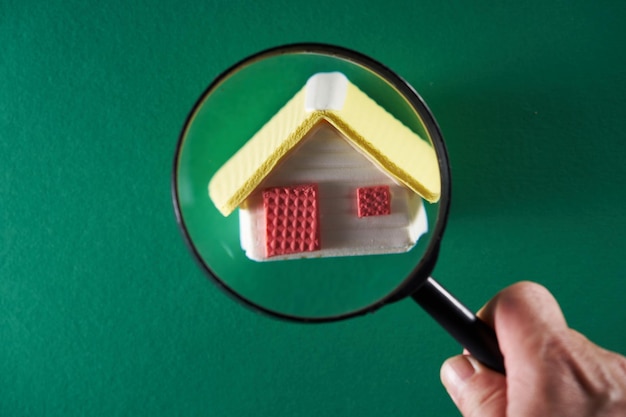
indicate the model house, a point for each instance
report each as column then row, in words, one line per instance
column 331, row 174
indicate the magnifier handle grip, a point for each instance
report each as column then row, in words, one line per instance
column 471, row 332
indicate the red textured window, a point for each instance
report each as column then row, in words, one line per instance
column 373, row 201
column 292, row 219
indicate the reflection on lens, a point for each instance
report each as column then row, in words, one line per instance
column 310, row 159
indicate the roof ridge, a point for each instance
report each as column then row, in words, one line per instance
column 395, row 148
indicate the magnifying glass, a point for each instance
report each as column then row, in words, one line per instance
column 312, row 184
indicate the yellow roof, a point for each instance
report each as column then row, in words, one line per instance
column 399, row 151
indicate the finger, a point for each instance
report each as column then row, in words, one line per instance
column 524, row 297
column 475, row 389
column 526, row 317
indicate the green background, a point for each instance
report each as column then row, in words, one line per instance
column 103, row 310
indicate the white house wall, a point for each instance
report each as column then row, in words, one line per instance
column 325, row 157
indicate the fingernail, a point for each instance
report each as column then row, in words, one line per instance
column 455, row 371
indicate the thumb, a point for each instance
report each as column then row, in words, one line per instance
column 475, row 389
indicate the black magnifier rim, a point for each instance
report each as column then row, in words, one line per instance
column 423, row 269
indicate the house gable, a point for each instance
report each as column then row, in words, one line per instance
column 338, row 168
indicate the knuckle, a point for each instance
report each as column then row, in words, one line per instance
column 577, row 365
column 482, row 397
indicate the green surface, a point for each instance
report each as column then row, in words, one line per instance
column 103, row 310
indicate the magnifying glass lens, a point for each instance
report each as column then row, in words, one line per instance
column 312, row 184
column 308, row 183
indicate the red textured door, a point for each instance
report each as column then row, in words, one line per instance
column 292, row 219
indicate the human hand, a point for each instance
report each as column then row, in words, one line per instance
column 551, row 370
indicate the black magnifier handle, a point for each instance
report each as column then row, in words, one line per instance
column 471, row 332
